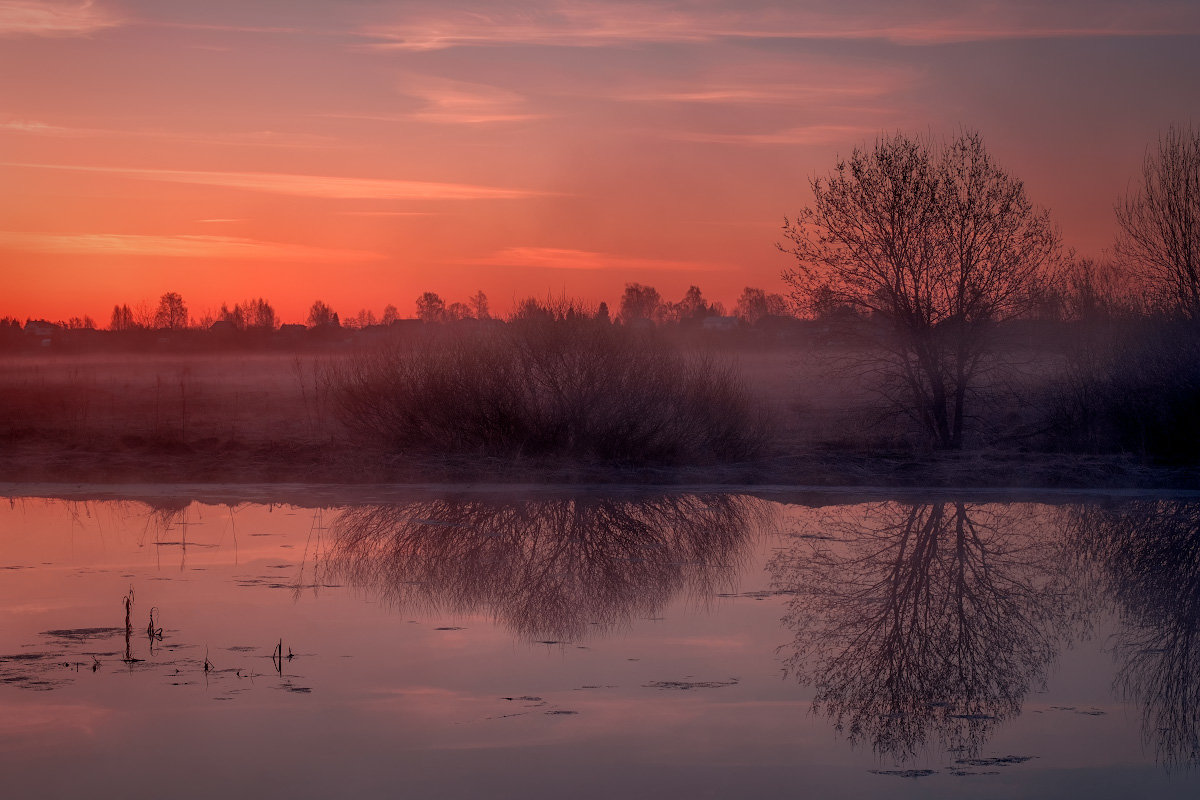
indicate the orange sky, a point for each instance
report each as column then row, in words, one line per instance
column 364, row 151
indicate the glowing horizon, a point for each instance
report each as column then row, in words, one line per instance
column 362, row 154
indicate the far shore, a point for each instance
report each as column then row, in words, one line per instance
column 257, row 476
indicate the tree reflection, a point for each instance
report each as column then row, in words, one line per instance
column 546, row 568
column 1148, row 552
column 922, row 623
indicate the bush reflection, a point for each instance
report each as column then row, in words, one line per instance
column 548, row 569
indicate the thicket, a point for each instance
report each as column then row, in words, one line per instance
column 549, row 386
column 1131, row 387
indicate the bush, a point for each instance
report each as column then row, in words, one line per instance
column 539, row 386
column 1138, row 391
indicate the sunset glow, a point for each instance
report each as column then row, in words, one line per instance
column 365, row 152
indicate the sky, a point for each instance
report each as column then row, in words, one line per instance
column 362, row 152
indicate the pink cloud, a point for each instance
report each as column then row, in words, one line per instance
column 48, row 18
column 183, row 246
column 566, row 259
column 311, row 185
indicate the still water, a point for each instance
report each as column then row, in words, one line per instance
column 548, row 644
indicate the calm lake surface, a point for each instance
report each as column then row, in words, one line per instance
column 530, row 644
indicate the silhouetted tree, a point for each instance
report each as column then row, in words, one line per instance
column 363, row 319
column 322, row 316
column 602, row 313
column 754, row 304
column 258, row 313
column 390, row 314
column 479, row 306
column 171, row 313
column 1160, row 220
column 122, row 319
column 937, row 244
column 639, row 303
column 431, row 307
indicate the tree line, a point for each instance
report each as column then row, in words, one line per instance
column 639, row 304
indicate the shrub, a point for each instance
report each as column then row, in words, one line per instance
column 1136, row 392
column 538, row 386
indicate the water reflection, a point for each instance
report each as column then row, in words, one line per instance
column 924, row 623
column 1148, row 553
column 548, row 569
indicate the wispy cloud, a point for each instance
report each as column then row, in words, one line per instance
column 327, row 187
column 214, row 247
column 800, row 135
column 566, row 259
column 606, row 24
column 387, row 213
column 262, row 138
column 459, row 102
column 51, row 18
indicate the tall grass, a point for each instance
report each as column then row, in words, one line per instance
column 570, row 387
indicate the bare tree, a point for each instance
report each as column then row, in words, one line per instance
column 479, row 305
column 639, row 303
column 431, row 307
column 322, row 316
column 1160, row 220
column 936, row 244
column 122, row 319
column 171, row 312
column 754, row 304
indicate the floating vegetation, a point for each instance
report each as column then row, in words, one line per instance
column 65, row 654
column 688, row 685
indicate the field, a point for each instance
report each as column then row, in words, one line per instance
column 182, row 417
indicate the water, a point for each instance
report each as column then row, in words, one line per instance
column 597, row 645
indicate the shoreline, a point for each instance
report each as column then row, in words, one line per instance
column 983, row 475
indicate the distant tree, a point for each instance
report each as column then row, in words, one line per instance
column 826, row 305
column 258, row 313
column 322, row 316
column 10, row 332
column 171, row 313
column 937, row 244
column 84, row 323
column 363, row 319
column 234, row 316
column 639, row 302
column 431, row 307
column 531, row 309
column 693, row 307
column 479, row 306
column 1160, row 221
column 602, row 313
column 122, row 319
column 459, row 311
column 754, row 304
column 390, row 314
column 143, row 314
